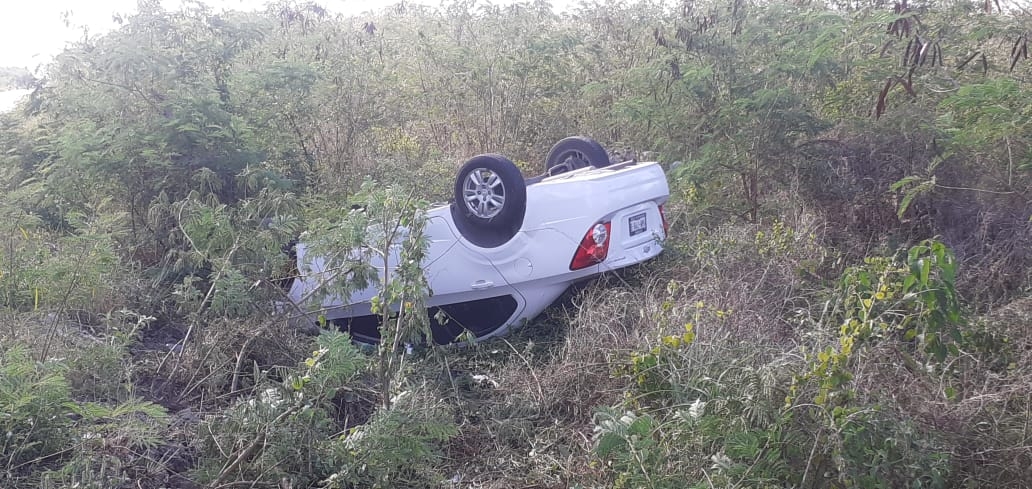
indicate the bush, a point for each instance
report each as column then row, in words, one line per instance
column 34, row 402
column 296, row 430
column 397, row 447
column 712, row 416
column 285, row 429
column 50, row 435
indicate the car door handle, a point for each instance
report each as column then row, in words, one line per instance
column 481, row 284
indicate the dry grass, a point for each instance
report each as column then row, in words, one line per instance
column 754, row 294
column 992, row 422
column 533, row 428
column 217, row 361
column 761, row 308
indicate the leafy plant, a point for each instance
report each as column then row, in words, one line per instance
column 286, row 429
column 396, row 447
column 379, row 241
column 115, row 444
column 84, row 443
column 628, row 441
column 34, row 400
column 720, row 425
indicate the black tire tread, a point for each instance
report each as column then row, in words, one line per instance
column 596, row 155
column 501, row 228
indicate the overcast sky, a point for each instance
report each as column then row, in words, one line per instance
column 33, row 31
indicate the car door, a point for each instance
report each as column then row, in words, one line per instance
column 470, row 295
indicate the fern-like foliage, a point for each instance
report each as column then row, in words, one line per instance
column 34, row 400
column 398, row 448
column 286, row 430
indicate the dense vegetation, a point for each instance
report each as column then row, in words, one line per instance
column 844, row 300
column 11, row 78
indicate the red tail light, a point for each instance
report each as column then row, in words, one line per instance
column 593, row 248
column 666, row 227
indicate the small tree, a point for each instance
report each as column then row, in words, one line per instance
column 379, row 241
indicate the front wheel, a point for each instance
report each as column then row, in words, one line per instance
column 490, row 193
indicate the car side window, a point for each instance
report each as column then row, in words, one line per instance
column 479, row 317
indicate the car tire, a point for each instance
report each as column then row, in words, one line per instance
column 573, row 153
column 491, row 195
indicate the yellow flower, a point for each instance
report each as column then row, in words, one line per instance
column 688, row 337
column 847, row 345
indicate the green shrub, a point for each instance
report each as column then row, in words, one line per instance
column 293, row 430
column 114, row 445
column 286, row 430
column 399, row 447
column 35, row 404
column 81, row 444
column 716, row 418
column 74, row 270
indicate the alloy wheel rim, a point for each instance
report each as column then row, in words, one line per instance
column 484, row 193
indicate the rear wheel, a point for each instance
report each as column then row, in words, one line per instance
column 573, row 153
column 490, row 194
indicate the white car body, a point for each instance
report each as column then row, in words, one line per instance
column 489, row 290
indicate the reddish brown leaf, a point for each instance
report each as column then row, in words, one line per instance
column 908, row 85
column 683, row 34
column 968, row 60
column 923, row 55
column 879, row 107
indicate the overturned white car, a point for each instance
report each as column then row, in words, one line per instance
column 507, row 247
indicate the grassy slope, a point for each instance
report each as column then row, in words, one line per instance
column 700, row 368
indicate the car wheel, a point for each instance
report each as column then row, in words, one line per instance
column 490, row 193
column 573, row 153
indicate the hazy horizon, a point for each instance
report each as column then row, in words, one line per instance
column 32, row 33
